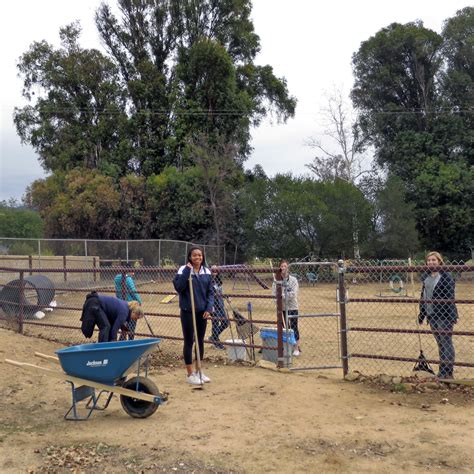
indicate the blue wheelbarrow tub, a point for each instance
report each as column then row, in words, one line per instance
column 104, row 362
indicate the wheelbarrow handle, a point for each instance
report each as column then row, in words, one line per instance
column 47, row 357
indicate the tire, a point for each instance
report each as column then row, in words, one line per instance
column 139, row 408
column 396, row 279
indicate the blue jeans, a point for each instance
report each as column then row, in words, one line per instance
column 131, row 326
column 442, row 332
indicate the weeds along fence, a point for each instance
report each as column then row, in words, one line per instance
column 351, row 315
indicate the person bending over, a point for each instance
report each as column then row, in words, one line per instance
column 109, row 314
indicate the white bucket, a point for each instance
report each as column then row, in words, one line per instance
column 235, row 352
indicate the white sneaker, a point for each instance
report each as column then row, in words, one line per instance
column 204, row 377
column 296, row 352
column 194, row 379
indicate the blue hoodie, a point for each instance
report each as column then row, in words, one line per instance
column 131, row 293
column 117, row 313
column 202, row 289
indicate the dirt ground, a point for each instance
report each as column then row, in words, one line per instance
column 248, row 419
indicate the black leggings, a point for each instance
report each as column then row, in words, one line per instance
column 188, row 334
column 293, row 322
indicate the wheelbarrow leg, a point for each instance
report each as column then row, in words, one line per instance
column 82, row 393
column 95, row 403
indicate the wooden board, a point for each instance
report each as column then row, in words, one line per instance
column 168, row 298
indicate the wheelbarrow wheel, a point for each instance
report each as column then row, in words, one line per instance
column 139, row 408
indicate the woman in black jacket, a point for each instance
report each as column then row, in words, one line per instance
column 438, row 308
column 203, row 303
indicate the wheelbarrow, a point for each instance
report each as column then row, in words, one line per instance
column 105, row 367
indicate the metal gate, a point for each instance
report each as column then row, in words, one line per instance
column 318, row 319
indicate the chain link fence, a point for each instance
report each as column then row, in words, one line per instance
column 358, row 315
column 311, row 309
column 391, row 317
column 40, row 252
column 246, row 293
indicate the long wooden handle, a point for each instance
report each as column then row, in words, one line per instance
column 89, row 383
column 193, row 311
column 47, row 357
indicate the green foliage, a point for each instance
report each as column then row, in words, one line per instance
column 172, row 69
column 78, row 118
column 292, row 217
column 78, row 204
column 188, row 68
column 414, row 90
column 177, row 204
column 19, row 222
column 395, row 232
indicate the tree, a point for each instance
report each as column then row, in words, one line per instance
column 405, row 92
column 395, row 231
column 189, row 67
column 292, row 216
column 78, row 118
column 78, row 204
column 176, row 205
column 16, row 221
column 395, row 91
column 346, row 159
column 173, row 71
column 221, row 177
column 457, row 79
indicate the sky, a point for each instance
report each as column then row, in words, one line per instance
column 310, row 43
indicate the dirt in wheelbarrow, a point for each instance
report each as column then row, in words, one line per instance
column 248, row 419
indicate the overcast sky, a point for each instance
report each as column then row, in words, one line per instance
column 308, row 42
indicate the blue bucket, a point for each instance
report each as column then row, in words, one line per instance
column 104, row 362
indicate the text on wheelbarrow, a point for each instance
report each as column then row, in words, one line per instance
column 97, row 363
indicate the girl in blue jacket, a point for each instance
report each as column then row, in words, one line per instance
column 203, row 301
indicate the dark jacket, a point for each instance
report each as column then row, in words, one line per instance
column 117, row 312
column 219, row 307
column 444, row 290
column 202, row 289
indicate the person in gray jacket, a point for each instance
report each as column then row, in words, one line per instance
column 290, row 302
column 437, row 306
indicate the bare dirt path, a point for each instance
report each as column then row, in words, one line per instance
column 246, row 420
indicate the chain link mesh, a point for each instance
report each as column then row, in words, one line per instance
column 385, row 305
column 382, row 311
column 317, row 319
column 109, row 252
column 247, row 301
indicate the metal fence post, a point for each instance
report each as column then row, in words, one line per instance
column 94, row 266
column 30, row 263
column 343, row 318
column 22, row 298
column 279, row 301
column 123, row 285
column 65, row 268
